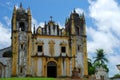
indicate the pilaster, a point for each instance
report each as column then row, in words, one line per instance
column 85, row 59
column 73, row 52
column 68, row 67
column 29, row 52
column 14, row 53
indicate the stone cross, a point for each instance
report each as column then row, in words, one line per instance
column 51, row 18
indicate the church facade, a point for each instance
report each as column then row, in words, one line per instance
column 48, row 51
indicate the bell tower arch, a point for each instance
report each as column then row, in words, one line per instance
column 21, row 41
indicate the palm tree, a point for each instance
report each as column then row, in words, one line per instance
column 91, row 68
column 100, row 58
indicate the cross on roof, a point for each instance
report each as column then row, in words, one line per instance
column 51, row 18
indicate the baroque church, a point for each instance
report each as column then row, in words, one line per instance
column 48, row 51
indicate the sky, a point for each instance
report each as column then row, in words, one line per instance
column 102, row 22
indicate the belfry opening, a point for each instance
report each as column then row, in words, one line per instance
column 51, row 69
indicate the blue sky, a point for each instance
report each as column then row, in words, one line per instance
column 102, row 22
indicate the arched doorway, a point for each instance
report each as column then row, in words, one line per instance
column 51, row 69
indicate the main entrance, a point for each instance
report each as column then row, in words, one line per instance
column 51, row 69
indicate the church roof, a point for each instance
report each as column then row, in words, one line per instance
column 6, row 48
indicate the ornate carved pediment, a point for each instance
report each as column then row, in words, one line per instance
column 39, row 30
column 51, row 42
column 63, row 43
column 40, row 42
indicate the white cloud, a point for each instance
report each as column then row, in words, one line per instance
column 7, row 4
column 5, row 34
column 100, row 39
column 7, row 20
column 16, row 6
column 36, row 23
column 106, row 16
column 79, row 10
column 42, row 24
column 60, row 25
column 114, row 60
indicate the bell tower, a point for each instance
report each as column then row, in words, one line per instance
column 21, row 41
column 76, row 30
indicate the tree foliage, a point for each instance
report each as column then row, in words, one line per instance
column 117, row 76
column 91, row 68
column 100, row 56
column 100, row 60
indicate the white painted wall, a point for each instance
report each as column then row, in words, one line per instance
column 57, row 46
column 80, row 63
column 39, row 67
column 57, row 51
column 71, row 68
column 8, row 63
column 101, row 72
column 64, row 68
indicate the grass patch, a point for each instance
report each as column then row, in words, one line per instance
column 27, row 79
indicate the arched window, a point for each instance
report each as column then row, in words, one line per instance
column 22, row 26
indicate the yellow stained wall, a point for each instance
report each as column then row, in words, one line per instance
column 68, row 61
column 14, row 53
column 36, row 66
column 14, row 44
column 67, row 67
column 29, row 52
column 85, row 53
column 85, row 59
column 43, row 66
column 73, row 52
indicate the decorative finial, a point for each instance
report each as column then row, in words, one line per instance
column 51, row 18
column 28, row 8
column 21, row 5
column 29, row 12
column 74, row 10
column 83, row 16
column 45, row 22
column 14, row 10
column 66, row 20
column 14, row 7
column 34, row 29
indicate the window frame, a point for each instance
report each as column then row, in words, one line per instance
column 39, row 49
column 63, row 49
